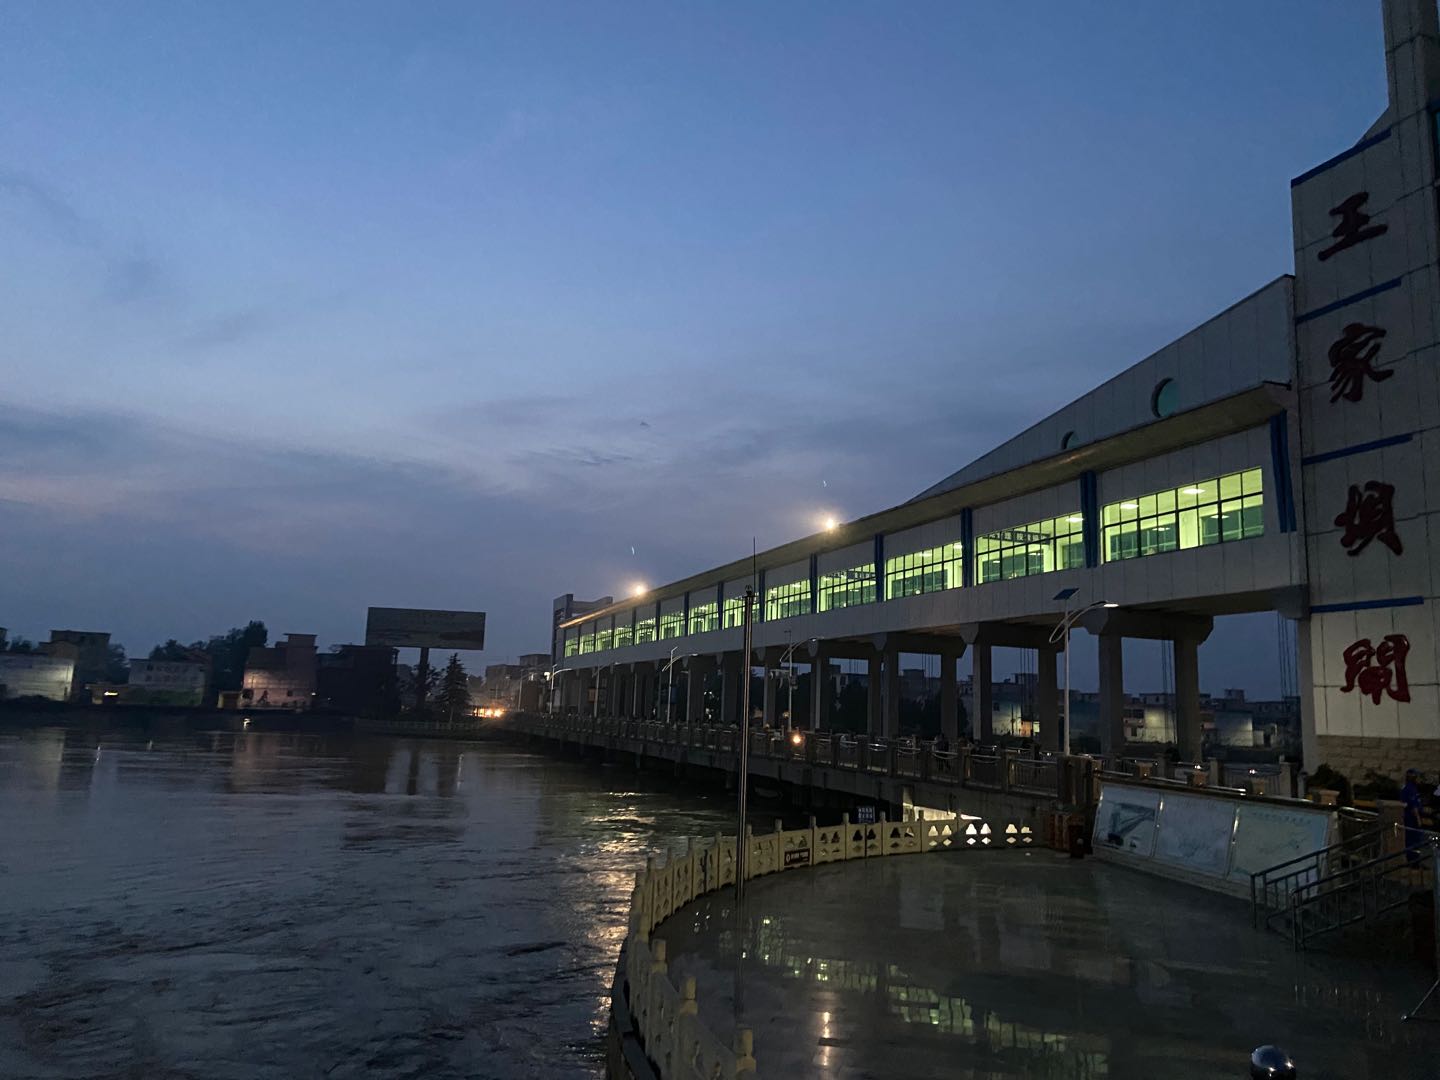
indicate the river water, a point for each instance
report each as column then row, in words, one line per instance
column 281, row 906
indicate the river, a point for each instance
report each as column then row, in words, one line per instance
column 279, row 906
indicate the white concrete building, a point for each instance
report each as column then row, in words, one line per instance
column 1282, row 456
column 169, row 682
column 36, row 675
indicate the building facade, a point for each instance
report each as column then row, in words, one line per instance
column 358, row 680
column 1279, row 457
column 36, row 675
column 282, row 676
column 87, row 650
column 167, row 682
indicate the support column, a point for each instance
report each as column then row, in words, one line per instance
column 819, row 689
column 892, row 693
column 1112, row 695
column 696, row 672
column 949, row 712
column 637, row 682
column 875, row 703
column 1187, row 698
column 982, row 707
column 1047, row 699
column 730, row 674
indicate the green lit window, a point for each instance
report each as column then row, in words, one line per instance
column 672, row 624
column 644, row 630
column 587, row 638
column 704, row 618
column 624, row 632
column 735, row 611
column 783, row 601
column 572, row 642
column 846, row 588
column 1230, row 507
column 1037, row 548
column 604, row 634
column 932, row 570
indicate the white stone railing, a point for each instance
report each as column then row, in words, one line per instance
column 666, row 1016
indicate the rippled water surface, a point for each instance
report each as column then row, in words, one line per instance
column 217, row 906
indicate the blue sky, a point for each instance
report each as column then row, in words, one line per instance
column 314, row 306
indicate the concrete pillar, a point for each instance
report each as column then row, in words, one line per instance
column 820, row 690
column 892, row 694
column 730, row 675
column 949, row 713
column 1047, row 698
column 982, row 707
column 595, row 683
column 637, row 684
column 875, row 704
column 1187, row 698
column 1309, row 692
column 1112, row 694
column 696, row 672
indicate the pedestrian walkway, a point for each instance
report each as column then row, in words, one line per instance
column 1008, row 965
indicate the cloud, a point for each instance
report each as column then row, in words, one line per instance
column 126, row 274
column 222, row 331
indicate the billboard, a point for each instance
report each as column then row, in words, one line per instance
column 1125, row 819
column 419, row 628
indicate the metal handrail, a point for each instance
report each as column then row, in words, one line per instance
column 1363, row 879
column 1272, row 889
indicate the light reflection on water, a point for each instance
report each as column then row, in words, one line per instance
column 262, row 905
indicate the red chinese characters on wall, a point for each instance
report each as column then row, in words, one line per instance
column 1353, row 227
column 1369, row 514
column 1378, row 670
column 1352, row 361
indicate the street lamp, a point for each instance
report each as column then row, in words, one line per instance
column 1063, row 630
column 670, row 683
column 788, row 657
column 553, row 678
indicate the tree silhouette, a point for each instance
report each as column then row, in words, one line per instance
column 454, row 695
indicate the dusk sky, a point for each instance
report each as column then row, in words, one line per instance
column 309, row 307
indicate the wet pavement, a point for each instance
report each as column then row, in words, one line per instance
column 1001, row 965
column 292, row 907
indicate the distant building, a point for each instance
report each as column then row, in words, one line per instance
column 358, row 680
column 89, row 650
column 167, row 682
column 36, row 675
column 515, row 686
column 282, row 676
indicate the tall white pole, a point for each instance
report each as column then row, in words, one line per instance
column 669, row 686
column 1065, row 734
column 744, row 760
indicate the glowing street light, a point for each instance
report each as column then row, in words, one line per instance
column 638, row 589
column 831, row 523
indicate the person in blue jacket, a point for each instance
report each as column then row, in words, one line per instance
column 1413, row 801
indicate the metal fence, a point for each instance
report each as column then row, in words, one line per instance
column 1053, row 776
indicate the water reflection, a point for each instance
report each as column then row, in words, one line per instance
column 253, row 905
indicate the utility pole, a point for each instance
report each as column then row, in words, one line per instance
column 744, row 763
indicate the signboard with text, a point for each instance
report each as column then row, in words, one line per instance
column 421, row 628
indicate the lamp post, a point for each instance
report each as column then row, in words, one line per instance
column 1063, row 630
column 787, row 659
column 554, row 679
column 670, row 683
